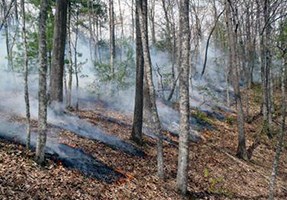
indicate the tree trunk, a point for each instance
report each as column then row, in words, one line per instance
column 183, row 154
column 138, row 109
column 70, row 57
column 282, row 134
column 76, row 60
column 26, row 73
column 232, row 27
column 151, row 12
column 59, row 41
column 42, row 112
column 112, row 36
column 7, row 40
column 155, row 123
column 265, row 69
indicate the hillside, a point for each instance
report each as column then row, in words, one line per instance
column 215, row 172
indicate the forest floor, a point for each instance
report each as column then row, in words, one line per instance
column 215, row 172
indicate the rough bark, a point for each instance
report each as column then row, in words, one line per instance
column 183, row 154
column 150, row 91
column 59, row 41
column 138, row 109
column 42, row 107
column 283, row 50
column 281, row 136
column 265, row 68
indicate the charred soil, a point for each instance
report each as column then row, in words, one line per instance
column 215, row 172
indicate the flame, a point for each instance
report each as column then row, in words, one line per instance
column 127, row 177
column 72, row 145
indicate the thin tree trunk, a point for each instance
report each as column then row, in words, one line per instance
column 183, row 154
column 7, row 40
column 26, row 69
column 234, row 65
column 122, row 29
column 112, row 36
column 76, row 61
column 70, row 66
column 152, row 20
column 133, row 21
column 42, row 112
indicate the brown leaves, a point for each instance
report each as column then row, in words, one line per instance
column 22, row 178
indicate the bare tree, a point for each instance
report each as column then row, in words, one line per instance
column 150, row 97
column 26, row 69
column 232, row 26
column 42, row 96
column 183, row 154
column 112, row 35
column 283, row 51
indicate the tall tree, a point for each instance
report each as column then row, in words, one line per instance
column 184, row 67
column 112, row 35
column 42, row 93
column 138, row 109
column 265, row 38
column 26, row 69
column 232, row 26
column 150, row 97
column 283, row 51
column 59, row 41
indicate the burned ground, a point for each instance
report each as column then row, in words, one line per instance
column 215, row 172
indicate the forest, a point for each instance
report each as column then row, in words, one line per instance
column 143, row 99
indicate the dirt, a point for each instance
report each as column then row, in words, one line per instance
column 214, row 170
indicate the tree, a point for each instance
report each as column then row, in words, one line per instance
column 42, row 96
column 59, row 41
column 184, row 67
column 232, row 26
column 283, row 51
column 112, row 35
column 138, row 109
column 150, row 95
column 26, row 69
column 266, row 67
column 6, row 13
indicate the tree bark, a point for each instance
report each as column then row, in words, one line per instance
column 283, row 50
column 70, row 57
column 281, row 136
column 59, row 41
column 138, row 109
column 42, row 96
column 6, row 28
column 112, row 36
column 232, row 26
column 26, row 73
column 265, row 69
column 150, row 91
column 183, row 154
